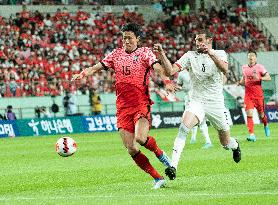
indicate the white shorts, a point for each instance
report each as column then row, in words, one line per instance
column 215, row 112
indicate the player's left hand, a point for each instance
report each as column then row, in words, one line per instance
column 172, row 88
column 157, row 48
column 206, row 49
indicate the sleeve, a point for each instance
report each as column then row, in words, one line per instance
column 223, row 56
column 183, row 62
column 179, row 80
column 107, row 62
column 262, row 70
column 150, row 58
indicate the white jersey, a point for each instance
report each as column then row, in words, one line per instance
column 206, row 78
column 184, row 81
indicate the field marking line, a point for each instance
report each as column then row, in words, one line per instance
column 187, row 195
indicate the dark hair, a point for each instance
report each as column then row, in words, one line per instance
column 133, row 27
column 206, row 32
column 252, row 51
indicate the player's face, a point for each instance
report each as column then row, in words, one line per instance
column 252, row 58
column 130, row 41
column 200, row 40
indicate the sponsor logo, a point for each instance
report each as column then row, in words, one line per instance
column 236, row 117
column 7, row 129
column 172, row 120
column 273, row 115
column 156, row 120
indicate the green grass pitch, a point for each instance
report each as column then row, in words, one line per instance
column 101, row 171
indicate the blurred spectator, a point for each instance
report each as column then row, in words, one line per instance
column 157, row 6
column 69, row 103
column 95, row 102
column 40, row 52
column 10, row 115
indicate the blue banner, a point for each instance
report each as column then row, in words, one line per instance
column 8, row 128
column 272, row 114
column 100, row 123
column 49, row 126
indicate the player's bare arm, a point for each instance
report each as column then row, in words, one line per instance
column 241, row 81
column 170, row 68
column 266, row 77
column 88, row 71
column 169, row 86
column 221, row 65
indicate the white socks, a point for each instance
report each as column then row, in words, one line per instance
column 194, row 134
column 179, row 145
column 204, row 131
column 233, row 144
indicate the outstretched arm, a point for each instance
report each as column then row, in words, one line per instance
column 241, row 81
column 169, row 68
column 169, row 86
column 266, row 77
column 88, row 71
column 221, row 65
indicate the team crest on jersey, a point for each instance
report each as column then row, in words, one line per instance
column 135, row 58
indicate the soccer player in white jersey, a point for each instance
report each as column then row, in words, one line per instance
column 185, row 82
column 206, row 68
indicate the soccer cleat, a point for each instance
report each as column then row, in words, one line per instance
column 237, row 154
column 159, row 183
column 164, row 159
column 251, row 138
column 171, row 172
column 207, row 146
column 267, row 131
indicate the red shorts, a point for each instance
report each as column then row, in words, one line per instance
column 251, row 103
column 127, row 117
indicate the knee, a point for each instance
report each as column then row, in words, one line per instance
column 140, row 138
column 261, row 115
column 132, row 149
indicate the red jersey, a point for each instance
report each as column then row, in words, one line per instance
column 253, row 87
column 132, row 71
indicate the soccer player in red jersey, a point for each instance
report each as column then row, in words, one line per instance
column 252, row 76
column 132, row 66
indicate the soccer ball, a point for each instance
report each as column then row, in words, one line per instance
column 66, row 146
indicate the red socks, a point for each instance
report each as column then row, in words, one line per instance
column 151, row 145
column 264, row 120
column 143, row 162
column 250, row 125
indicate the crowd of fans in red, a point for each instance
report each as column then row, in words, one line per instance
column 40, row 52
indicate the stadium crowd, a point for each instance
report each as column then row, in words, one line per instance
column 39, row 52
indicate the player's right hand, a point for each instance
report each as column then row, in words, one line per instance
column 157, row 48
column 76, row 77
column 172, row 88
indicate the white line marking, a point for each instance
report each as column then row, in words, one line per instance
column 187, row 195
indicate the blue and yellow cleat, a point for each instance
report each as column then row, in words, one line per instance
column 159, row 183
column 267, row 131
column 251, row 138
column 207, row 146
column 164, row 159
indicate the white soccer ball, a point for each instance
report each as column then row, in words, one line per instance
column 66, row 146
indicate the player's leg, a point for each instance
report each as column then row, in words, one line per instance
column 190, row 118
column 229, row 142
column 204, row 130
column 193, row 134
column 260, row 107
column 249, row 106
column 141, row 134
column 140, row 159
column 219, row 120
